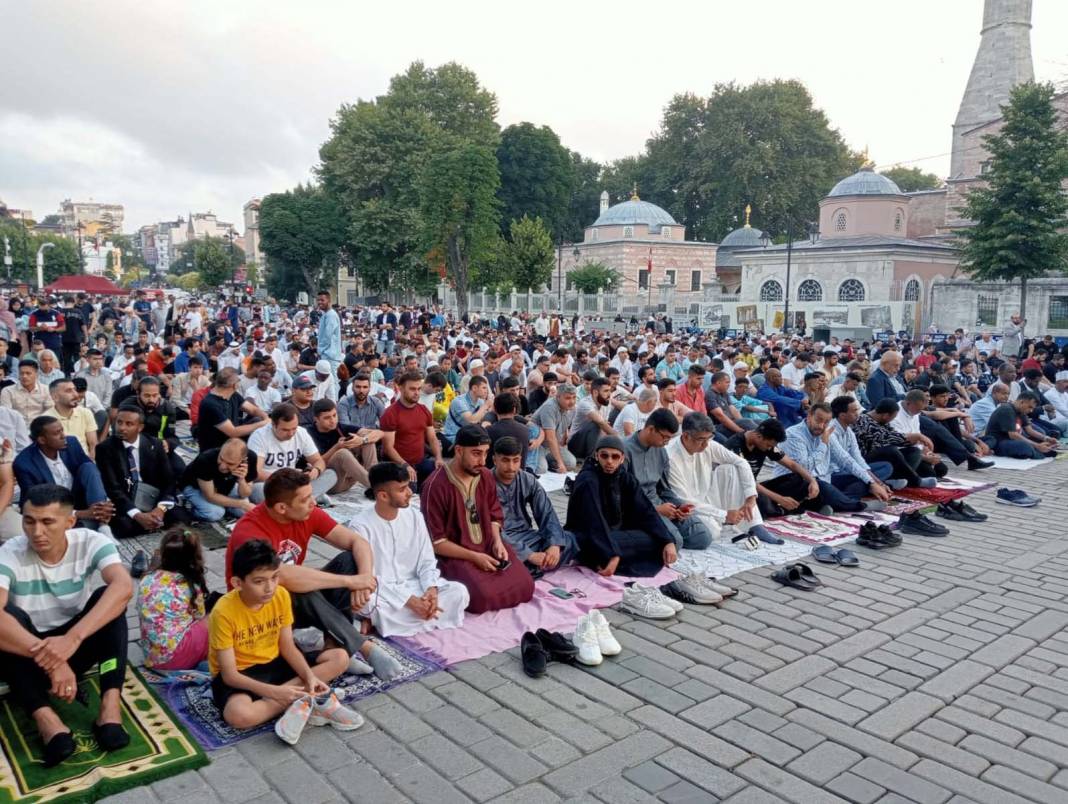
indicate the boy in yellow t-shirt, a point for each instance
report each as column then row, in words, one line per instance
column 253, row 657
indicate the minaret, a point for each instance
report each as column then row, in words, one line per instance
column 604, row 201
column 1003, row 61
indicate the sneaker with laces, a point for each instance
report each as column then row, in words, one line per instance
column 646, row 602
column 720, row 589
column 689, row 589
column 291, row 724
column 675, row 605
column 327, row 710
column 606, row 640
column 585, row 639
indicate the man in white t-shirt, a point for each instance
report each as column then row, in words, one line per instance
column 282, row 446
column 632, row 417
column 50, row 640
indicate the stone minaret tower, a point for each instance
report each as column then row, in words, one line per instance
column 1003, row 61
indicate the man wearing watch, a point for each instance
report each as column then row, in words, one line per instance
column 346, row 449
column 284, row 445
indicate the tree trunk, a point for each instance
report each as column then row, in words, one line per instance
column 1023, row 299
column 458, row 263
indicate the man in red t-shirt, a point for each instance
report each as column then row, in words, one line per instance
column 325, row 599
column 409, row 430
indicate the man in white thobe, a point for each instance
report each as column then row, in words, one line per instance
column 717, row 482
column 412, row 597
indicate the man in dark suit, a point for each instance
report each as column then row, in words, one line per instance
column 131, row 460
column 53, row 457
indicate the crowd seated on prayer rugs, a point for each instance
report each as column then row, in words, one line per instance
column 236, row 411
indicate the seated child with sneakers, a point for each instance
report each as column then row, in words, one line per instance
column 258, row 673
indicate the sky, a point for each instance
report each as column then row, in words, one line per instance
column 199, row 106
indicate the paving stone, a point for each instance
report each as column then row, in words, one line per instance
column 956, row 680
column 467, row 698
column 511, row 762
column 899, row 781
column 1057, row 754
column 650, row 776
column 620, row 791
column 824, row 762
column 528, row 794
column 323, row 749
column 606, row 763
column 577, row 732
column 383, row 752
column 981, row 725
column 695, row 739
column 783, row 784
column 860, row 644
column 756, row 742
column 358, row 781
column 298, row 783
column 701, row 772
column 398, row 722
column 683, row 792
column 1012, row 779
column 714, row 711
column 753, row 795
column 1018, row 759
column 799, row 737
column 483, row 785
column 517, row 729
column 236, row 777
column 554, row 752
column 900, row 716
column 654, row 670
column 445, row 756
column 857, row 740
column 422, row 784
column 954, row 756
column 181, row 786
column 1033, row 726
column 796, row 674
column 853, row 788
column 657, row 694
column 1003, row 650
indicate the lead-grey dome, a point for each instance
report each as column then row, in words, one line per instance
column 865, row 182
column 743, row 237
column 635, row 211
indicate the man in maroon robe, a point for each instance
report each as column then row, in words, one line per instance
column 464, row 517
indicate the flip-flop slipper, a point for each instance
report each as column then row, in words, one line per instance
column 808, row 574
column 791, row 576
column 824, row 554
column 846, row 558
column 746, row 541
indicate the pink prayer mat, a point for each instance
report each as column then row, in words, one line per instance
column 495, row 631
column 812, row 528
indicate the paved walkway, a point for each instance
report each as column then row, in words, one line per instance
column 935, row 672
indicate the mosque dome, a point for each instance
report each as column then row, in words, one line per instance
column 636, row 211
column 742, row 237
column 865, row 182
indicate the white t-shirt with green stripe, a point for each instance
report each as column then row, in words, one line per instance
column 54, row 594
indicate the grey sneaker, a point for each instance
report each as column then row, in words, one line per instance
column 291, row 724
column 720, row 589
column 691, row 589
column 646, row 602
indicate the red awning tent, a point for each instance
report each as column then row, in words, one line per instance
column 84, row 284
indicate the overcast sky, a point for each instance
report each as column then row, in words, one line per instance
column 198, row 105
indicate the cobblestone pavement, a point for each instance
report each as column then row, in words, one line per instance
column 935, row 672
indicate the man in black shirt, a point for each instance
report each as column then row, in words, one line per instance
column 505, row 408
column 302, row 399
column 779, row 495
column 1011, row 434
column 338, row 445
column 537, row 397
column 219, row 481
column 224, row 413
column 73, row 336
column 511, row 385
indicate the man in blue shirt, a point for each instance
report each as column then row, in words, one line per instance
column 850, row 473
column 328, row 337
column 469, row 408
column 190, row 354
column 789, row 403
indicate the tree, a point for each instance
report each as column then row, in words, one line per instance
column 536, row 176
column 185, row 256
column 302, row 232
column 592, row 277
column 376, row 157
column 188, row 281
column 910, row 180
column 459, row 211
column 529, row 255
column 62, row 260
column 211, row 261
column 1021, row 214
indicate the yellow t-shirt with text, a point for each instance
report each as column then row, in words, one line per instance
column 253, row 635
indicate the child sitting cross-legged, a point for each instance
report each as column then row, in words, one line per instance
column 258, row 671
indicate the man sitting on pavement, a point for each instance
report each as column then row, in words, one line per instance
column 411, row 596
column 77, row 421
column 325, row 599
column 554, row 418
column 781, row 494
column 789, row 403
column 282, row 446
column 1011, row 433
column 218, row 482
column 64, row 594
column 851, row 473
column 531, row 526
column 27, row 397
column 648, row 461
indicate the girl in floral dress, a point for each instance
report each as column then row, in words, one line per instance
column 174, row 626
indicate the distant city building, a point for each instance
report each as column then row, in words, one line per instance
column 90, row 219
column 24, row 215
column 252, row 234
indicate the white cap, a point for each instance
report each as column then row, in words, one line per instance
column 322, row 367
column 741, row 364
column 622, row 350
column 1061, row 375
column 476, row 363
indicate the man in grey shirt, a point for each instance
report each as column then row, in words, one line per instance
column 648, row 461
column 554, row 418
column 1012, row 336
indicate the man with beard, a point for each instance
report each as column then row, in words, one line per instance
column 160, row 416
column 465, row 519
column 617, row 528
column 531, row 526
column 592, row 413
column 412, row 597
column 409, row 430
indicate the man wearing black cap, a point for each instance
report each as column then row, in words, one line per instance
column 464, row 516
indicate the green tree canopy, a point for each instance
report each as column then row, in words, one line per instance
column 1021, row 214
column 211, row 261
column 536, row 176
column 912, row 179
column 529, row 256
column 302, row 234
column 62, row 260
column 592, row 277
column 184, row 258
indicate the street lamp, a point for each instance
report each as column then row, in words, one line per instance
column 813, row 232
column 40, row 264
column 233, row 268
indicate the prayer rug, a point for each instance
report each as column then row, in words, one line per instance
column 159, row 747
column 812, row 528
column 948, row 488
column 494, row 631
column 897, row 506
column 551, row 481
column 188, row 693
column 716, row 563
column 1017, row 464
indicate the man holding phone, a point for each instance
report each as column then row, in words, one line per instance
column 219, row 481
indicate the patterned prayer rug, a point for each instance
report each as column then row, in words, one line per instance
column 948, row 489
column 159, row 747
column 812, row 528
column 188, row 694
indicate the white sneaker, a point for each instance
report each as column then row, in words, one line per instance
column 718, row 588
column 676, row 605
column 646, row 602
column 585, row 639
column 605, row 639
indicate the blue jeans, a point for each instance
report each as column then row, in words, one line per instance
column 691, row 533
column 208, row 511
column 856, row 488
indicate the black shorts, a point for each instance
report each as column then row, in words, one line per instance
column 275, row 671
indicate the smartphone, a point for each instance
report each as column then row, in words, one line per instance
column 561, row 593
column 503, row 565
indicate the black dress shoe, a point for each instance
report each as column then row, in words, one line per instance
column 978, row 463
column 560, row 648
column 59, row 748
column 139, row 564
column 888, row 536
column 922, row 526
column 534, row 656
column 968, row 511
column 947, row 511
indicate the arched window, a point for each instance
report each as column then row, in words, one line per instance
column 810, row 290
column 899, row 219
column 840, row 222
column 628, row 231
column 912, row 290
column 852, row 290
column 771, row 291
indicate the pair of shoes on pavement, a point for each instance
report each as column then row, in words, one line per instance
column 648, row 602
column 1017, row 497
column 538, row 648
column 921, row 525
column 877, row 537
column 594, row 639
column 959, row 511
column 696, row 589
column 320, row 710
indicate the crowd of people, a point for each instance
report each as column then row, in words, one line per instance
column 124, row 417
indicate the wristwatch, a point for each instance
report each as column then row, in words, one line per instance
column 365, row 441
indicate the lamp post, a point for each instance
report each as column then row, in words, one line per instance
column 233, row 268
column 40, row 264
column 765, row 239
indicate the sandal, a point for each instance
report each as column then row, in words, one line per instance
column 808, row 574
column 824, row 554
column 791, row 576
column 846, row 558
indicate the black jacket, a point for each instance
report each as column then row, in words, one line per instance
column 114, row 464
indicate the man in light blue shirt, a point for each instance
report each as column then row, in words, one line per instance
column 850, row 473
column 469, row 408
column 981, row 409
column 329, row 335
column 670, row 367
